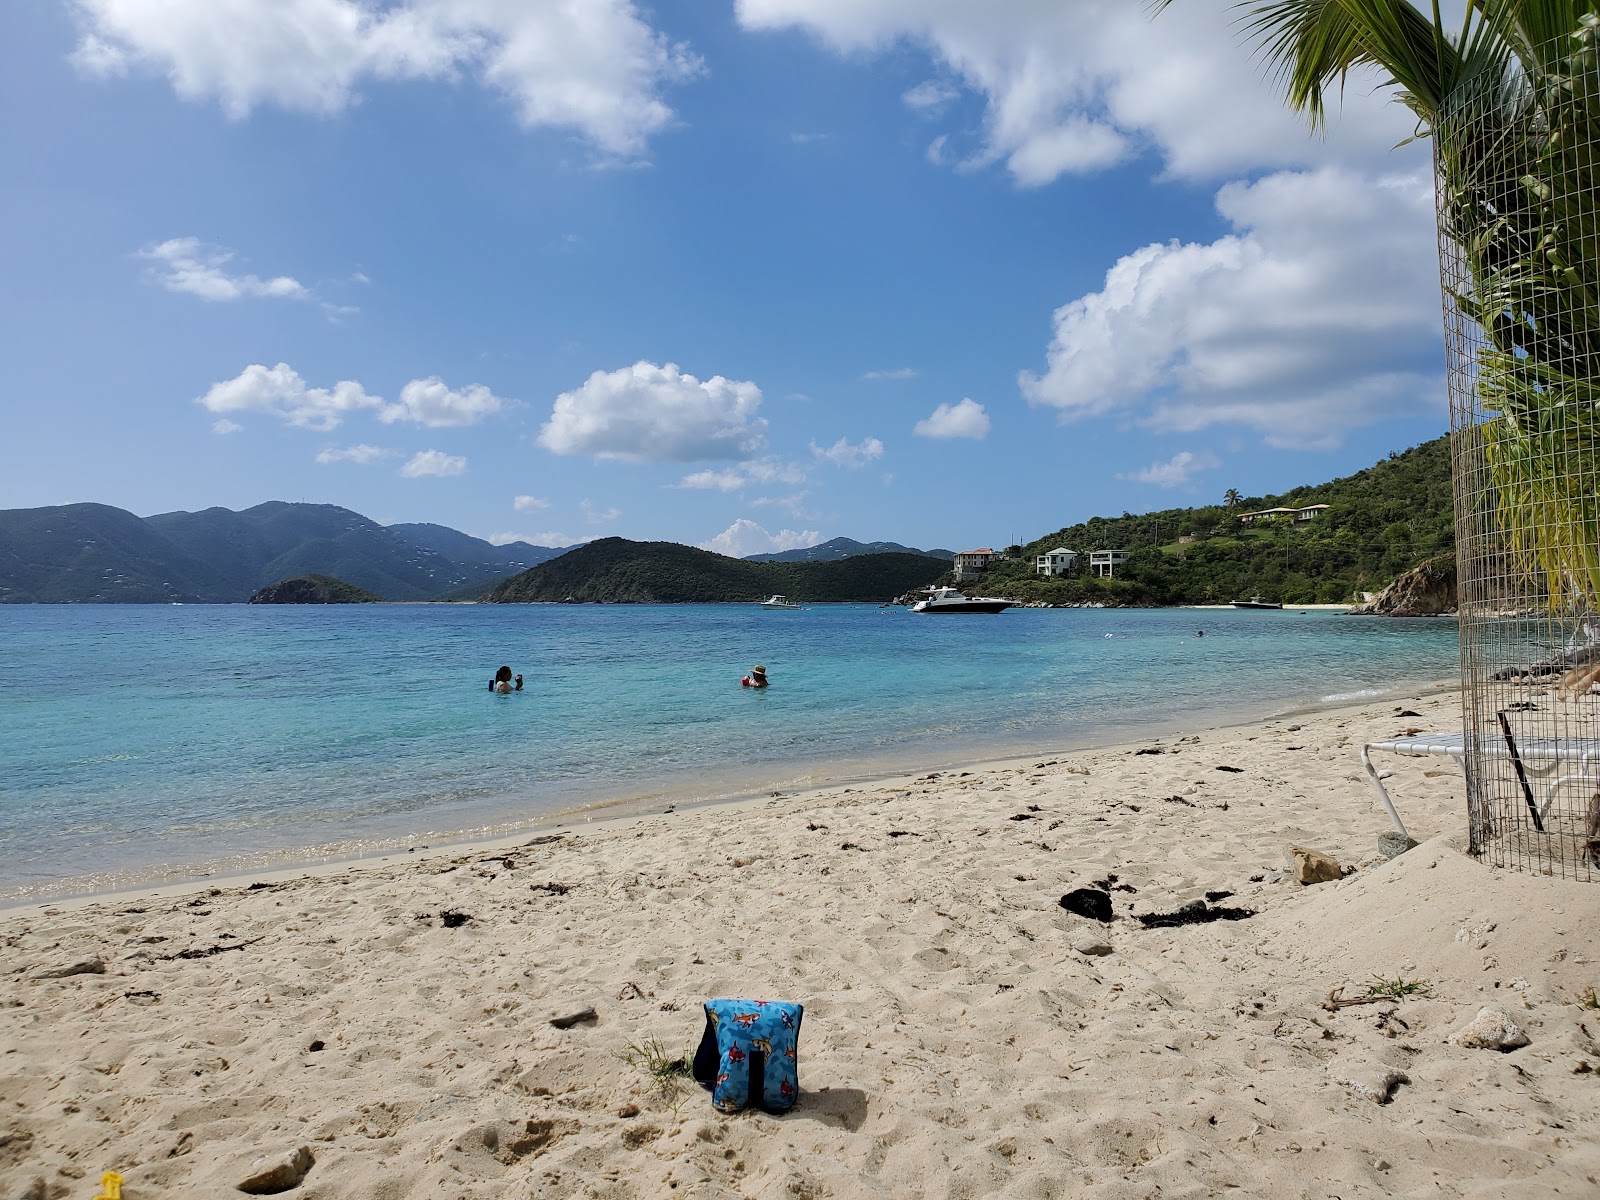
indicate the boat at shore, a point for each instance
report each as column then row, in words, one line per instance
column 948, row 600
column 1255, row 602
column 780, row 602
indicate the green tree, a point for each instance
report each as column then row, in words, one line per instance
column 1232, row 498
column 1509, row 97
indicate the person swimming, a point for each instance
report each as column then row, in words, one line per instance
column 756, row 679
column 502, row 682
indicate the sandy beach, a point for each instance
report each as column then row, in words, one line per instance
column 964, row 1035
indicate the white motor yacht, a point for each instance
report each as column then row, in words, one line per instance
column 948, row 600
column 782, row 602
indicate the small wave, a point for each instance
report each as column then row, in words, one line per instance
column 1362, row 694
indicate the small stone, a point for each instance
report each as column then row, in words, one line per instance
column 1491, row 1029
column 1368, row 1081
column 629, row 1109
column 1312, row 866
column 1092, row 947
column 89, row 966
column 271, row 1175
column 1194, row 906
column 1392, row 843
column 37, row 1189
column 1088, row 902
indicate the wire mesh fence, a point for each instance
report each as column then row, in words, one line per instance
column 1517, row 173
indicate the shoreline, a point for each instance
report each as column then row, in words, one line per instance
column 798, row 781
column 391, row 1029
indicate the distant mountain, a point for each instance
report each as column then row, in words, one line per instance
column 615, row 570
column 843, row 547
column 313, row 589
column 93, row 553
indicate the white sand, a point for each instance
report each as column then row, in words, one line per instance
column 954, row 1044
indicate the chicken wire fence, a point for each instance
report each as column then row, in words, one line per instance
column 1517, row 175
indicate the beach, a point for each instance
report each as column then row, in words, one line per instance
column 964, row 1035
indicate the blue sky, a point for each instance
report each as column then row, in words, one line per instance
column 745, row 274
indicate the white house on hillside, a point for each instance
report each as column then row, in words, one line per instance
column 1059, row 561
column 1104, row 563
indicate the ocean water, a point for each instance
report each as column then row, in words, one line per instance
column 141, row 742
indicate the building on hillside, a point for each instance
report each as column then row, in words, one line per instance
column 969, row 564
column 1309, row 513
column 1059, row 561
column 1104, row 563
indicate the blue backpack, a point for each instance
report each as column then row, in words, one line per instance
column 749, row 1054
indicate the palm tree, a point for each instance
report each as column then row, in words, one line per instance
column 1511, row 99
column 1232, row 498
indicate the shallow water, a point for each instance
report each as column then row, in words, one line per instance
column 138, row 737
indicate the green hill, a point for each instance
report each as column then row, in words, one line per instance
column 615, row 570
column 1380, row 522
column 314, row 589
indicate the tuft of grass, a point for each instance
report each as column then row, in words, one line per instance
column 1591, row 999
column 668, row 1071
column 1396, row 988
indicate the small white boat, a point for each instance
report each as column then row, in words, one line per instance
column 948, row 600
column 780, row 602
column 1255, row 602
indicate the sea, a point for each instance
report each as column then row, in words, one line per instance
column 142, row 744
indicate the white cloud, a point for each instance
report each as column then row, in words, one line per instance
column 895, row 373
column 1177, row 470
column 744, row 537
column 845, row 454
column 646, row 413
column 280, row 392
column 1320, row 312
column 529, row 503
column 184, row 265
column 1078, row 85
column 224, row 426
column 966, row 419
column 426, row 463
column 598, row 516
column 746, row 474
column 595, row 67
column 360, row 454
column 429, row 402
column 930, row 97
column 548, row 538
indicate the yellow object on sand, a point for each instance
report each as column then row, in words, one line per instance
column 111, row 1185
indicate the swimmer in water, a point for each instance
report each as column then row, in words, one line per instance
column 756, row 679
column 501, row 682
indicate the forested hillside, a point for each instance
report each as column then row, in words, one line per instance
column 615, row 570
column 1380, row 522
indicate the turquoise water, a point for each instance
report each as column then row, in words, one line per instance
column 144, row 740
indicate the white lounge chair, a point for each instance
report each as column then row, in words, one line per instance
column 1535, row 758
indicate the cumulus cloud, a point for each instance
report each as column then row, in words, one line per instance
column 744, row 538
column 597, row 68
column 548, row 538
column 966, row 419
column 930, row 97
column 184, row 265
column 1320, row 312
column 1078, row 85
column 426, row 463
column 595, row 515
column 223, row 426
column 529, row 503
column 429, row 402
column 1177, row 470
column 646, row 413
column 280, row 392
column 360, row 454
column 746, row 474
column 843, row 453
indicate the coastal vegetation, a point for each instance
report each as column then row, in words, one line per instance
column 313, row 589
column 1380, row 522
column 619, row 571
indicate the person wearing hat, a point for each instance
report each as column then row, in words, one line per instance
column 756, row 679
